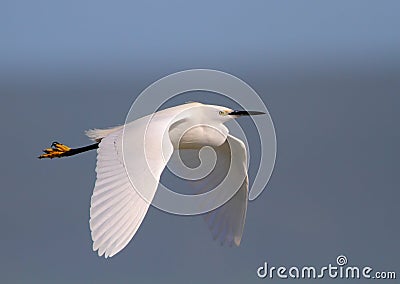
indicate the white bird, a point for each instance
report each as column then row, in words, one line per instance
column 120, row 200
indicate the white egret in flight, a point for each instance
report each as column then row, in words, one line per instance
column 120, row 200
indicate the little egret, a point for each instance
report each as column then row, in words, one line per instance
column 128, row 173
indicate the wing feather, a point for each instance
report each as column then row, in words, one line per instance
column 226, row 222
column 120, row 201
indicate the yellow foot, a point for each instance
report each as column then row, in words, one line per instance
column 56, row 151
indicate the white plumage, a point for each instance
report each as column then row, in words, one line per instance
column 142, row 148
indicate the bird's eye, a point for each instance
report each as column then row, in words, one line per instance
column 221, row 112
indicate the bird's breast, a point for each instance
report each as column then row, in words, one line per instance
column 198, row 136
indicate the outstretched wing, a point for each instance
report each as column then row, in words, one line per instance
column 227, row 221
column 129, row 164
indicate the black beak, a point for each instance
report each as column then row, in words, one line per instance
column 245, row 112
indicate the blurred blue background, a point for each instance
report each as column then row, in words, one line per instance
column 328, row 71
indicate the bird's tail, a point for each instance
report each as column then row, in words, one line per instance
column 98, row 134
